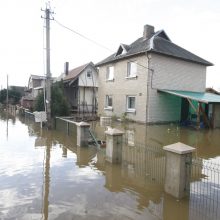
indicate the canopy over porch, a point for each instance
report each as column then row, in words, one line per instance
column 201, row 97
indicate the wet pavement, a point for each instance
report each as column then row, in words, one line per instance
column 44, row 175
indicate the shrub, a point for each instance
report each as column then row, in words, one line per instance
column 59, row 105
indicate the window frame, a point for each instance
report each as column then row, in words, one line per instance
column 107, row 106
column 128, row 108
column 108, row 73
column 129, row 69
column 89, row 72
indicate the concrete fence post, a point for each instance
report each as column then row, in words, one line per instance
column 177, row 173
column 82, row 133
column 114, row 143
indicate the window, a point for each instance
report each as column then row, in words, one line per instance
column 130, row 103
column 89, row 74
column 110, row 73
column 132, row 69
column 108, row 102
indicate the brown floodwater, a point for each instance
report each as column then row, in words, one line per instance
column 44, row 175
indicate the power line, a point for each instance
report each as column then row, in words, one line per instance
column 81, row 35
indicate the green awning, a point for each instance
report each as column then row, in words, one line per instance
column 204, row 97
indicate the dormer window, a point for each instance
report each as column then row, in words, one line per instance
column 123, row 49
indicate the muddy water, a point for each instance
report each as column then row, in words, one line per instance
column 44, row 175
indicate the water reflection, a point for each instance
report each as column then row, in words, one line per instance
column 44, row 175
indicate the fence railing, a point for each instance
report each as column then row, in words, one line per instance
column 147, row 161
column 205, row 189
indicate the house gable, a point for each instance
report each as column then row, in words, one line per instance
column 80, row 75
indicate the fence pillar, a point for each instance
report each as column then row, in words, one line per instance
column 114, row 145
column 177, row 172
column 82, row 133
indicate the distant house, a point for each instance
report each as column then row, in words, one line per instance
column 35, row 86
column 213, row 91
column 152, row 80
column 81, row 87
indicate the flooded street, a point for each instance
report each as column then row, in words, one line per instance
column 44, row 175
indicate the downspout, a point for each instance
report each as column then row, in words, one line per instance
column 148, row 87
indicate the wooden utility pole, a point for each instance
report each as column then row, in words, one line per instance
column 7, row 95
column 48, row 73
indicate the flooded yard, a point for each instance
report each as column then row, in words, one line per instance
column 44, row 175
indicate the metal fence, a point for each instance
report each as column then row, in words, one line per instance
column 205, row 189
column 147, row 162
column 65, row 125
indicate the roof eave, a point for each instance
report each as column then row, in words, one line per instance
column 181, row 58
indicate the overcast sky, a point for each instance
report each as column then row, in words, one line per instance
column 191, row 24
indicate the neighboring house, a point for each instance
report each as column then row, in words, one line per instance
column 80, row 87
column 35, row 86
column 213, row 91
column 144, row 80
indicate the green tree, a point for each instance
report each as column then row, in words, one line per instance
column 39, row 102
column 13, row 96
column 59, row 105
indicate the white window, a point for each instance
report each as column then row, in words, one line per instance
column 130, row 103
column 89, row 74
column 108, row 102
column 132, row 69
column 110, row 73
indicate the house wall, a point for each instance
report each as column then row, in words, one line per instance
column 88, row 81
column 33, row 83
column 120, row 87
column 88, row 95
column 72, row 93
column 173, row 74
column 163, row 107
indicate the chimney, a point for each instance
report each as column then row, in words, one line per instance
column 66, row 68
column 148, row 31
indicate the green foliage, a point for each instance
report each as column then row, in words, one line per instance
column 13, row 96
column 124, row 117
column 114, row 117
column 59, row 105
column 39, row 102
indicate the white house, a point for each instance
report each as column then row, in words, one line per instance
column 152, row 80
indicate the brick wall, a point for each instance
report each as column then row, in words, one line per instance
column 120, row 87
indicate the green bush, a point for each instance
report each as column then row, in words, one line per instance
column 59, row 105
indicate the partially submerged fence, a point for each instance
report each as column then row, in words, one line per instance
column 66, row 125
column 205, row 189
column 147, row 161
